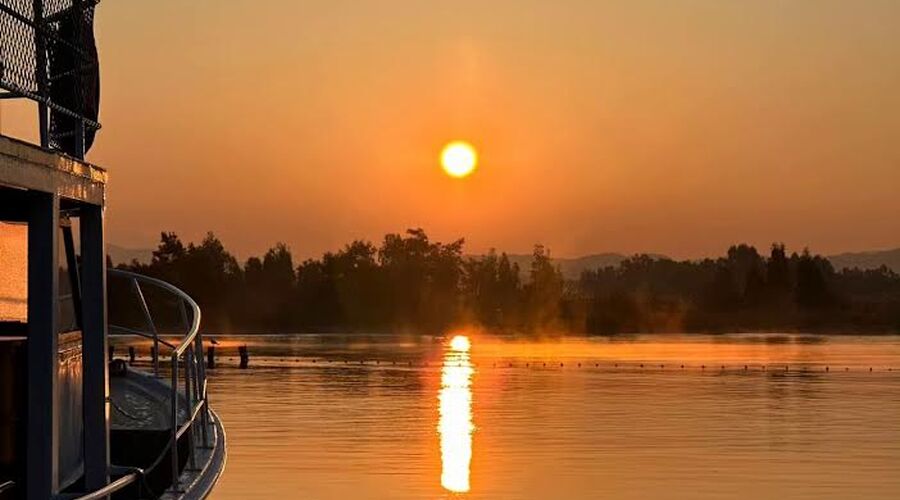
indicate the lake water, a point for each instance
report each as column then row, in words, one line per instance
column 367, row 417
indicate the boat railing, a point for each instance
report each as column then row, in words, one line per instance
column 185, row 357
column 8, row 485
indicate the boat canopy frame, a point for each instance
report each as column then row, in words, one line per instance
column 42, row 188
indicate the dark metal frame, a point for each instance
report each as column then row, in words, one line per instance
column 72, row 265
column 38, row 25
column 43, row 189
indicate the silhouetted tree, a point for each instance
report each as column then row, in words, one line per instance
column 412, row 283
column 777, row 269
column 722, row 294
column 492, row 290
column 421, row 279
column 747, row 269
column 509, row 291
column 318, row 305
column 207, row 271
column 812, row 287
column 358, row 285
column 544, row 290
column 169, row 251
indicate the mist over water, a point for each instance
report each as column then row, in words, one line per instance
column 376, row 417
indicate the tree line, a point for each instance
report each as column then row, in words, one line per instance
column 409, row 283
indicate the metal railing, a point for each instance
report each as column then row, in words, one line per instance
column 186, row 356
column 49, row 56
column 109, row 489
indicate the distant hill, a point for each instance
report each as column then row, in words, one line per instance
column 122, row 255
column 867, row 260
column 573, row 267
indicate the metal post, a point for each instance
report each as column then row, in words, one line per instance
column 201, row 388
column 96, row 376
column 188, row 396
column 148, row 318
column 174, row 447
column 79, row 139
column 77, row 11
column 42, row 455
column 40, row 59
column 74, row 278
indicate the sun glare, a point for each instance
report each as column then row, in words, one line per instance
column 459, row 159
column 460, row 343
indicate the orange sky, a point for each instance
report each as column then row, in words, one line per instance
column 659, row 126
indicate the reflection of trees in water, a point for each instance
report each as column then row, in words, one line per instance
column 792, row 397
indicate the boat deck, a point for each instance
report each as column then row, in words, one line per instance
column 141, row 427
column 139, row 405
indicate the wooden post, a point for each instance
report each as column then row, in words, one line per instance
column 42, row 455
column 245, row 356
column 211, row 356
column 96, row 374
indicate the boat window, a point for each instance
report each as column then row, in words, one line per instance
column 13, row 272
column 69, row 319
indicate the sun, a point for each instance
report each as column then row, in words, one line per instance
column 459, row 159
column 460, row 343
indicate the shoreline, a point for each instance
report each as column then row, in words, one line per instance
column 622, row 335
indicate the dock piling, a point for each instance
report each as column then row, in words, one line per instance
column 245, row 356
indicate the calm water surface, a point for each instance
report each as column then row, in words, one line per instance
column 324, row 417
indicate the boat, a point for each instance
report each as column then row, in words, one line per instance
column 74, row 422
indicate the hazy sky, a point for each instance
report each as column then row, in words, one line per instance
column 666, row 126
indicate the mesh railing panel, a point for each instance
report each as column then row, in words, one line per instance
column 52, row 59
column 17, row 50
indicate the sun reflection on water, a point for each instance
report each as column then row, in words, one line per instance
column 455, row 426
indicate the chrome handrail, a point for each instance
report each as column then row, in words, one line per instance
column 104, row 492
column 187, row 355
